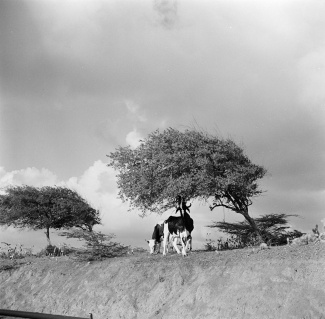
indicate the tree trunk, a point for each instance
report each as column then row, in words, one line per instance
column 252, row 223
column 47, row 233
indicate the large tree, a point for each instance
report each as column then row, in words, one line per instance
column 46, row 208
column 193, row 164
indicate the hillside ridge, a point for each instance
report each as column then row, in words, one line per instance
column 281, row 282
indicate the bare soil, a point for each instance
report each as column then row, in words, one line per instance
column 281, row 282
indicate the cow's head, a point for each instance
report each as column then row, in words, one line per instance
column 152, row 245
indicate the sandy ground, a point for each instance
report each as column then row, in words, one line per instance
column 281, row 282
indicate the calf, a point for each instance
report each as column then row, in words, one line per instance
column 157, row 236
column 178, row 227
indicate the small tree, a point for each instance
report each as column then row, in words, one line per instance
column 97, row 245
column 192, row 164
column 45, row 208
column 273, row 228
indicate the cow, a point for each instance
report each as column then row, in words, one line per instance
column 178, row 227
column 155, row 245
column 62, row 249
column 52, row 250
column 157, row 236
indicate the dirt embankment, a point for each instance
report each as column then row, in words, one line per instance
column 282, row 282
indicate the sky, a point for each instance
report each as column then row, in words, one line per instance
column 78, row 78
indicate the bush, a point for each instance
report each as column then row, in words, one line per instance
column 18, row 251
column 97, row 245
column 273, row 229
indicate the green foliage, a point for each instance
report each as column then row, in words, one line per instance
column 45, row 208
column 97, row 245
column 273, row 228
column 192, row 164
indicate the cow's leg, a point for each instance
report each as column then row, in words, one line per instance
column 165, row 244
column 175, row 245
column 166, row 238
column 169, row 244
column 183, row 237
column 187, row 246
column 158, row 247
column 189, row 243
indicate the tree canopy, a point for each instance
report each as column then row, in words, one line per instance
column 193, row 164
column 45, row 208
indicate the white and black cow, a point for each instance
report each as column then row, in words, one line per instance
column 157, row 237
column 178, row 227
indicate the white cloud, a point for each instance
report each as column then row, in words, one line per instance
column 133, row 138
column 135, row 112
column 28, row 176
column 98, row 186
column 97, row 178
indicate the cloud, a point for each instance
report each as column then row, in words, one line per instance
column 136, row 117
column 29, row 176
column 97, row 181
column 133, row 138
column 167, row 12
column 134, row 111
column 98, row 186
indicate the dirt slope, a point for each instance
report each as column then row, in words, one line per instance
column 282, row 282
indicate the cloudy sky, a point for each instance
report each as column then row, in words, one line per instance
column 80, row 77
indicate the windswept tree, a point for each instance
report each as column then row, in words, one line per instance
column 192, row 164
column 46, row 208
column 274, row 230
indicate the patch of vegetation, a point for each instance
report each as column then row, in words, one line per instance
column 18, row 251
column 8, row 265
column 274, row 230
column 97, row 246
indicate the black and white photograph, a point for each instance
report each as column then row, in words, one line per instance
column 162, row 159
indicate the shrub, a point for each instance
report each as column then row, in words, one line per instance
column 97, row 245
